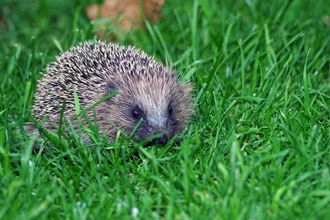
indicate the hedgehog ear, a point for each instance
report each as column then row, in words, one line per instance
column 111, row 88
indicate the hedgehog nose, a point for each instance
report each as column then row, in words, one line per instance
column 162, row 140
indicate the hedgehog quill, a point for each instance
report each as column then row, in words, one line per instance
column 148, row 92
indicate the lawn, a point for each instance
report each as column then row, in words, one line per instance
column 258, row 146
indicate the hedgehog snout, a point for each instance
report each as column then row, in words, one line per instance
column 162, row 140
column 161, row 134
column 164, row 134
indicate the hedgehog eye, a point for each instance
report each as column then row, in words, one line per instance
column 170, row 110
column 136, row 113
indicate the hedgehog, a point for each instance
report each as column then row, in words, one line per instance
column 150, row 100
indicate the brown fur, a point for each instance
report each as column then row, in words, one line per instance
column 94, row 70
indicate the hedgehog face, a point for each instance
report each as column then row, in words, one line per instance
column 156, row 105
column 154, row 116
column 158, row 124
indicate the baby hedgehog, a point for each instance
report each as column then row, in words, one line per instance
column 148, row 92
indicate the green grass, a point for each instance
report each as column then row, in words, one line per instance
column 257, row 148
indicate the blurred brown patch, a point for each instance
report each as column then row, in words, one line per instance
column 2, row 22
column 326, row 20
column 126, row 14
